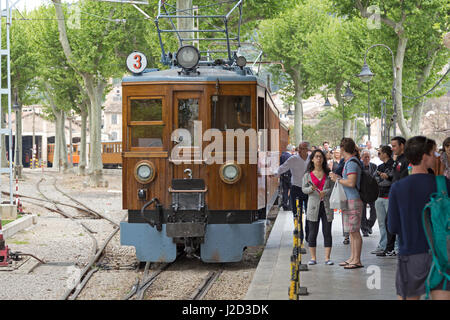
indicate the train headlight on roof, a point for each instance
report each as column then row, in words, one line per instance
column 144, row 172
column 188, row 57
column 230, row 172
column 241, row 61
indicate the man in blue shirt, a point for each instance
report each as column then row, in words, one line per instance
column 407, row 198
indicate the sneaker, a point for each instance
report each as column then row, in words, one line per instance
column 387, row 254
column 346, row 241
column 377, row 251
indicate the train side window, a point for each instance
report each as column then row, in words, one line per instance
column 231, row 112
column 146, row 110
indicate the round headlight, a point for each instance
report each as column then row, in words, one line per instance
column 188, row 57
column 230, row 172
column 241, row 61
column 144, row 171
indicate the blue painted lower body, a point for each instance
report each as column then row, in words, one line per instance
column 222, row 243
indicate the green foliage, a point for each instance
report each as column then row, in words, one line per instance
column 423, row 24
column 285, row 37
column 53, row 69
column 329, row 129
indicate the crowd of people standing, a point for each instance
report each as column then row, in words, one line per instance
column 405, row 177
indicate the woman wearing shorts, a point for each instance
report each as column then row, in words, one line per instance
column 351, row 178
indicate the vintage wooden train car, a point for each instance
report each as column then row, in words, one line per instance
column 211, row 208
column 111, row 154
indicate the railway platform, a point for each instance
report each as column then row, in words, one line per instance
column 376, row 281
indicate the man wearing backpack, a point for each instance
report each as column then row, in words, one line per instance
column 407, row 199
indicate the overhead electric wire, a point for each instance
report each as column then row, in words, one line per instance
column 432, row 89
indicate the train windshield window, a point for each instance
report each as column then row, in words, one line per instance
column 231, row 112
column 187, row 114
column 146, row 110
column 147, row 136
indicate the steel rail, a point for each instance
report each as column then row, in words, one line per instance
column 87, row 268
column 204, row 287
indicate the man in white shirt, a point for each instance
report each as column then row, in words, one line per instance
column 297, row 164
column 372, row 151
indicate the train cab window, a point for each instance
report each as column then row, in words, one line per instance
column 231, row 112
column 146, row 110
column 147, row 136
column 146, row 123
column 188, row 113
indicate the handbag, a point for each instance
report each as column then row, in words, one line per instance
column 338, row 199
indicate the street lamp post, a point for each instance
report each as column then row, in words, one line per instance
column 383, row 121
column 18, row 170
column 348, row 97
column 368, row 111
column 366, row 75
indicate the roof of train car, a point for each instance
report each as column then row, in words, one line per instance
column 206, row 74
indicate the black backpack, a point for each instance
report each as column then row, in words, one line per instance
column 368, row 186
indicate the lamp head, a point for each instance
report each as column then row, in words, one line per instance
column 365, row 75
column 327, row 103
column 348, row 95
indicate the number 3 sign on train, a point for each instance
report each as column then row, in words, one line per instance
column 136, row 62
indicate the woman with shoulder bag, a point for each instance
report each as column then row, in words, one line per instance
column 317, row 185
column 351, row 180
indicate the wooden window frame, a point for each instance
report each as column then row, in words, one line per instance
column 163, row 122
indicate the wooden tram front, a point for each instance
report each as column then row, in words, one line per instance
column 189, row 201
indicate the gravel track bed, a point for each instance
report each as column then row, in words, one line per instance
column 67, row 247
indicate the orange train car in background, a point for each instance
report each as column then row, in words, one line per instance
column 111, row 154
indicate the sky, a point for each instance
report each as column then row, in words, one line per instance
column 29, row 4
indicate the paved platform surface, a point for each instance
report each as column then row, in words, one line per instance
column 376, row 281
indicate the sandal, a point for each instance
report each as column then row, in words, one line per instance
column 344, row 263
column 353, row 266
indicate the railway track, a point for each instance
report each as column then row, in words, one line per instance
column 137, row 292
column 87, row 272
column 204, row 287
